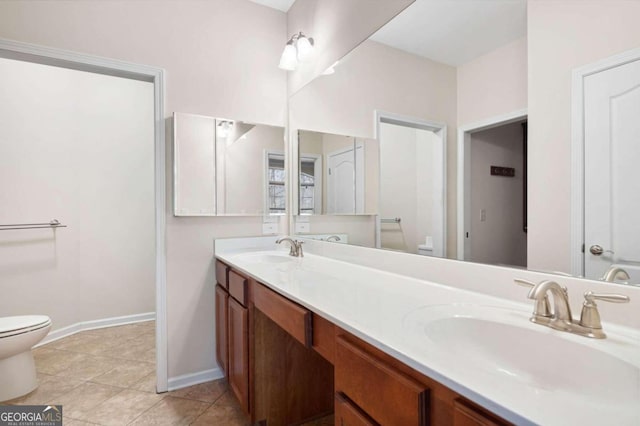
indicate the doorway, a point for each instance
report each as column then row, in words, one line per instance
column 605, row 155
column 412, row 208
column 492, row 203
column 46, row 168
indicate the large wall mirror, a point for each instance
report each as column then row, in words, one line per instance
column 227, row 167
column 443, row 119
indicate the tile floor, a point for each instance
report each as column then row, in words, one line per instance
column 107, row 377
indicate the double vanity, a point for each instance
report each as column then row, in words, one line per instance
column 301, row 337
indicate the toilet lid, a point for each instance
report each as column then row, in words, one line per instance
column 10, row 326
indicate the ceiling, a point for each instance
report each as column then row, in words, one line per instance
column 282, row 5
column 455, row 31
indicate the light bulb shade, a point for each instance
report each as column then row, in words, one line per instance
column 288, row 60
column 305, row 48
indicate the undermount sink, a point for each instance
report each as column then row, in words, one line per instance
column 269, row 258
column 503, row 343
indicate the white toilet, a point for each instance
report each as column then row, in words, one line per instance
column 17, row 368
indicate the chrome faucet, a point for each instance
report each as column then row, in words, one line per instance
column 296, row 246
column 333, row 238
column 615, row 273
column 589, row 324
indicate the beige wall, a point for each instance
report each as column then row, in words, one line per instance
column 500, row 238
column 563, row 35
column 336, row 26
column 493, row 84
column 77, row 147
column 221, row 59
column 377, row 77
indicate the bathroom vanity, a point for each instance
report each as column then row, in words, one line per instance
column 301, row 337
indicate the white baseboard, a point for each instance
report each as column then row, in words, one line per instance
column 191, row 379
column 95, row 324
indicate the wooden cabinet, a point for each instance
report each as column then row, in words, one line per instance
column 232, row 331
column 287, row 365
column 222, row 313
column 384, row 393
column 466, row 415
column 238, row 375
column 347, row 414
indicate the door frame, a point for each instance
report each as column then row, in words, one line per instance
column 440, row 129
column 464, row 171
column 28, row 52
column 578, row 76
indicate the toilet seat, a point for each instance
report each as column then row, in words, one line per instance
column 11, row 326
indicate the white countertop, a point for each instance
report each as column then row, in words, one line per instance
column 388, row 311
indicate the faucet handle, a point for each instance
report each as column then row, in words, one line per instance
column 542, row 308
column 299, row 248
column 590, row 317
column 590, row 297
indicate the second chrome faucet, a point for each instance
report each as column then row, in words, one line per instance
column 561, row 319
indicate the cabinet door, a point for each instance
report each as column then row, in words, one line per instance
column 222, row 310
column 238, row 373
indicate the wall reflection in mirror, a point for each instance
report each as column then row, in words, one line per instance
column 227, row 167
column 443, row 119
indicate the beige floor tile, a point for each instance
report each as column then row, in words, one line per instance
column 72, row 341
column 72, row 422
column 123, row 332
column 49, row 391
column 126, row 373
column 88, row 366
column 222, row 415
column 172, row 411
column 81, row 401
column 228, row 398
column 132, row 350
column 53, row 361
column 205, row 392
column 122, row 408
column 146, row 384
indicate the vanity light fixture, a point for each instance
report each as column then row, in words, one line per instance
column 298, row 49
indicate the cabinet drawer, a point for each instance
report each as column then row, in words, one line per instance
column 465, row 415
column 347, row 414
column 222, row 274
column 384, row 393
column 293, row 318
column 238, row 287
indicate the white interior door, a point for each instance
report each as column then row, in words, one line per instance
column 341, row 189
column 612, row 158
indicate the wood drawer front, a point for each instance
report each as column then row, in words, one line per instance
column 293, row 318
column 384, row 393
column 465, row 415
column 238, row 287
column 347, row 414
column 222, row 274
column 324, row 338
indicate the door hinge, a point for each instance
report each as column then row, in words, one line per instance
column 467, row 235
column 583, row 247
column 329, row 171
